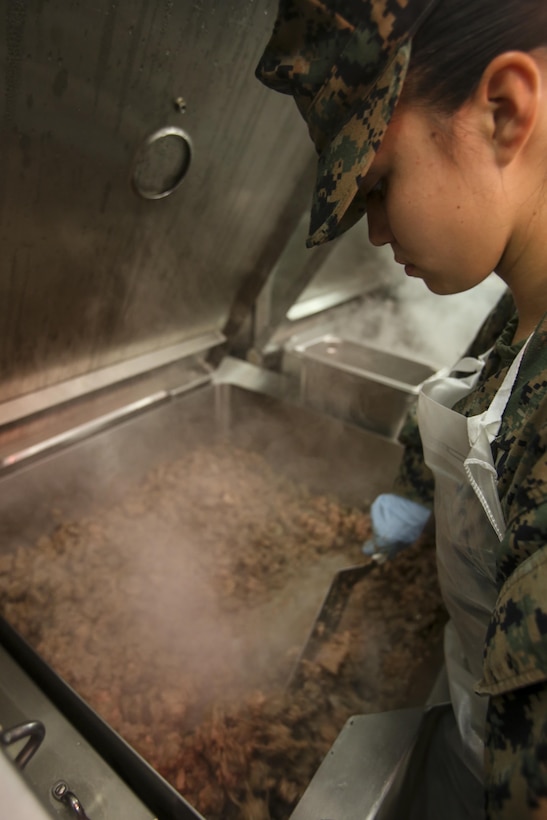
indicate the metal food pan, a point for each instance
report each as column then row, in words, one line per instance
column 357, row 383
column 326, row 454
column 76, row 483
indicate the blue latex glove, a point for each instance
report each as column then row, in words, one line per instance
column 396, row 523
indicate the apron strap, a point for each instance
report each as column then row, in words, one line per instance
column 481, row 473
column 490, row 420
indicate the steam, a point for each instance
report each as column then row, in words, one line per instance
column 413, row 322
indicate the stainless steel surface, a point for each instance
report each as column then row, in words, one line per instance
column 402, row 373
column 81, row 431
column 91, row 274
column 328, row 617
column 71, row 420
column 294, row 269
column 301, row 284
column 354, row 267
column 63, row 752
column 161, row 163
column 354, row 465
column 188, row 351
column 258, row 379
column 361, row 775
column 62, row 793
column 355, row 382
column 18, row 801
column 32, row 731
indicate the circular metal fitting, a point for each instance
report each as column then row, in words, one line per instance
column 161, row 163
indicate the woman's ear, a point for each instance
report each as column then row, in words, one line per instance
column 510, row 96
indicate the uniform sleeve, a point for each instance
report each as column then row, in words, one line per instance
column 515, row 659
column 516, row 754
column 515, row 677
column 414, row 479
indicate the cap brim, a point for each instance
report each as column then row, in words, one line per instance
column 345, row 161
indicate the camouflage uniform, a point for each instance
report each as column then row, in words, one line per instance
column 515, row 656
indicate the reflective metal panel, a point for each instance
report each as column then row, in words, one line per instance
column 90, row 272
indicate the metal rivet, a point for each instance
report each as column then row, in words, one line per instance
column 180, row 104
column 59, row 789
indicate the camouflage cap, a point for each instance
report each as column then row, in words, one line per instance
column 344, row 62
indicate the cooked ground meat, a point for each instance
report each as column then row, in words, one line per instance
column 178, row 614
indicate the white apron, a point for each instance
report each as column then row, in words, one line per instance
column 469, row 523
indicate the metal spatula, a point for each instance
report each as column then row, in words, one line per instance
column 329, row 615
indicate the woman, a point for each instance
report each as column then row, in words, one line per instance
column 431, row 118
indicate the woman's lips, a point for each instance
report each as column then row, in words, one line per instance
column 410, row 270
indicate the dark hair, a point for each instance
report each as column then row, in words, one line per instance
column 460, row 38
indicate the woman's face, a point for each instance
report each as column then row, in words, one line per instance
column 436, row 195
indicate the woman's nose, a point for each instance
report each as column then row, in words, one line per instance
column 379, row 232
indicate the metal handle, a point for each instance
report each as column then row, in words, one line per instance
column 62, row 793
column 34, row 730
column 161, row 163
